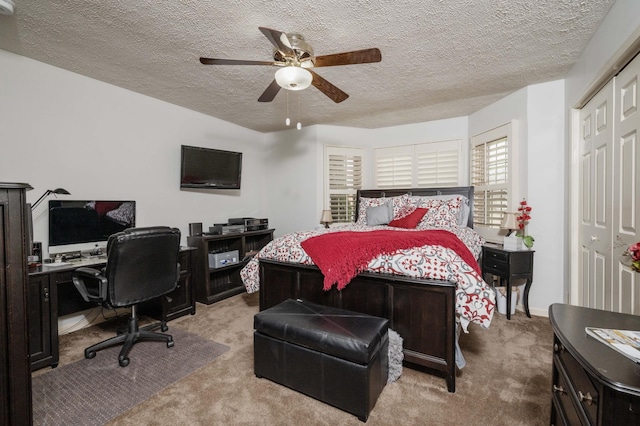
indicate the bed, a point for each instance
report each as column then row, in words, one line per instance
column 428, row 292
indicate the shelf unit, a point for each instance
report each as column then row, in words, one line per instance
column 182, row 300
column 214, row 284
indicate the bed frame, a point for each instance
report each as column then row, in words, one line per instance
column 421, row 311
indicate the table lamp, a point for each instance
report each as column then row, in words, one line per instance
column 509, row 222
column 326, row 218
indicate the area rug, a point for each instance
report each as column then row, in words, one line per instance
column 94, row 391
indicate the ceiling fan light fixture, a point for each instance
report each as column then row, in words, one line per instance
column 293, row 78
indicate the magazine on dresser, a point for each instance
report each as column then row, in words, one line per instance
column 626, row 342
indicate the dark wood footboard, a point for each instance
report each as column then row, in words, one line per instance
column 421, row 311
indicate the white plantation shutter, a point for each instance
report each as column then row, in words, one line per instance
column 438, row 164
column 394, row 167
column 421, row 165
column 490, row 177
column 343, row 173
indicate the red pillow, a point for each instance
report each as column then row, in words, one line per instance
column 103, row 207
column 411, row 220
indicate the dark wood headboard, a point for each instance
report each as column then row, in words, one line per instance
column 467, row 191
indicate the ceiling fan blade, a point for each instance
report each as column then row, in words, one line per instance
column 279, row 40
column 335, row 94
column 214, row 61
column 347, row 58
column 270, row 93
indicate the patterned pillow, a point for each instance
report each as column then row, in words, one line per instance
column 442, row 213
column 401, row 206
column 465, row 210
column 125, row 214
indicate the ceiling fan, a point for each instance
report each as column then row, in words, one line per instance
column 296, row 59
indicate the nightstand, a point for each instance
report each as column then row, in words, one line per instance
column 509, row 265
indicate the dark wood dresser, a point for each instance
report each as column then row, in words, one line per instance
column 15, row 375
column 592, row 383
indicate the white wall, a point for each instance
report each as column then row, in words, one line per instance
column 545, row 155
column 291, row 179
column 537, row 113
column 98, row 141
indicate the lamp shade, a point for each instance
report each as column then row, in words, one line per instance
column 326, row 218
column 509, row 221
column 293, row 78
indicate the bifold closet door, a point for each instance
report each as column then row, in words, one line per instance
column 626, row 185
column 595, row 197
column 609, row 206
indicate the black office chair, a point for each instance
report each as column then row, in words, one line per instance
column 142, row 264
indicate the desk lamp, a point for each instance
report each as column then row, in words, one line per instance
column 49, row 191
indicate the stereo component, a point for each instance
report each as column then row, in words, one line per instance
column 195, row 229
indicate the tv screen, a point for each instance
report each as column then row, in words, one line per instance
column 73, row 223
column 210, row 168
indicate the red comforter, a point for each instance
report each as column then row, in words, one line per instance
column 343, row 255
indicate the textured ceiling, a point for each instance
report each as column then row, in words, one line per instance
column 440, row 58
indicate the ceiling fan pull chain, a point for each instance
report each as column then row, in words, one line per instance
column 287, row 121
column 299, row 125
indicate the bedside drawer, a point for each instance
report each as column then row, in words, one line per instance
column 498, row 256
column 494, row 267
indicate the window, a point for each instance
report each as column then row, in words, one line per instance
column 491, row 176
column 343, row 177
column 423, row 165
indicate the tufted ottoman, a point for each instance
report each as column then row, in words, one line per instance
column 336, row 356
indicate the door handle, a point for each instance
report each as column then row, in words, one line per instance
column 594, row 238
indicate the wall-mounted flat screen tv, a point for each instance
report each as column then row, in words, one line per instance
column 210, row 168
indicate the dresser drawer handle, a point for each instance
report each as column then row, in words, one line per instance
column 586, row 398
column 559, row 389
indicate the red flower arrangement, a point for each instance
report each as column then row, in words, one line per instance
column 523, row 219
column 634, row 253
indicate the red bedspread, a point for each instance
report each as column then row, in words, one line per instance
column 343, row 255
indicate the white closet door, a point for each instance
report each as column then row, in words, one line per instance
column 626, row 184
column 595, row 197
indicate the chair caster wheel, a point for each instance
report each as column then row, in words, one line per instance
column 89, row 354
column 170, row 343
column 123, row 362
column 164, row 327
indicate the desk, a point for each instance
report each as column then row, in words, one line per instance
column 51, row 294
column 509, row 265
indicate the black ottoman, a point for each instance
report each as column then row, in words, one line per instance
column 337, row 356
